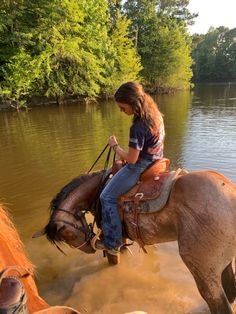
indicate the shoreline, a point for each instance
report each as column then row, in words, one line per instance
column 40, row 101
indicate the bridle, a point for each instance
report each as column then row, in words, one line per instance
column 86, row 229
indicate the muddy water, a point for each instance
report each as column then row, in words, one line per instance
column 44, row 148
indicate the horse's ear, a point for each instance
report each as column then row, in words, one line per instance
column 39, row 233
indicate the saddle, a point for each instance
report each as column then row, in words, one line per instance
column 12, row 292
column 150, row 186
column 154, row 184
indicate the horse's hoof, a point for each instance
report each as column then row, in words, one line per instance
column 113, row 259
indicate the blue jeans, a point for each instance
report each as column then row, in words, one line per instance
column 121, row 183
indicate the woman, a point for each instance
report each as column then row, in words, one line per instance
column 145, row 146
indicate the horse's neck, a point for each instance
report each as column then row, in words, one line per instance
column 11, row 246
column 90, row 188
column 12, row 254
column 84, row 194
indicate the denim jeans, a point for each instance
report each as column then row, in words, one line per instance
column 121, row 183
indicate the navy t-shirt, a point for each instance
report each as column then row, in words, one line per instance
column 150, row 144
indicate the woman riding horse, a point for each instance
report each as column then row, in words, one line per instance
column 145, row 146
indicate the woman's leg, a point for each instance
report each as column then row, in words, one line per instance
column 122, row 181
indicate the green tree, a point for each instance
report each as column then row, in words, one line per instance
column 114, row 6
column 63, row 47
column 215, row 55
column 165, row 56
column 123, row 61
column 162, row 42
column 177, row 9
column 228, row 51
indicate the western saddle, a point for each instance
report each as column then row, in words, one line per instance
column 155, row 183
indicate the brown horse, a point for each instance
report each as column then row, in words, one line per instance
column 200, row 214
column 12, row 254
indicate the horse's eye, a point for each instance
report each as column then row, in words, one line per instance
column 66, row 234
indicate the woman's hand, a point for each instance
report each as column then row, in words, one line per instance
column 112, row 140
column 131, row 156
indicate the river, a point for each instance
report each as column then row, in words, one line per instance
column 44, row 148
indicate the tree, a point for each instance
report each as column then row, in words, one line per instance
column 177, row 9
column 162, row 42
column 63, row 47
column 215, row 55
column 123, row 62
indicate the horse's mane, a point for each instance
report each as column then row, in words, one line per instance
column 12, row 250
column 68, row 188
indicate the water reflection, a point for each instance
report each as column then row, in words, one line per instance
column 176, row 112
column 211, row 94
column 44, row 148
column 209, row 142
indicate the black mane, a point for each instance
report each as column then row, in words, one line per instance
column 67, row 189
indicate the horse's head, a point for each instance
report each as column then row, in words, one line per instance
column 67, row 222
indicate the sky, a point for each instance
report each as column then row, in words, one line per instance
column 212, row 13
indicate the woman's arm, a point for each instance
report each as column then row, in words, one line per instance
column 131, row 156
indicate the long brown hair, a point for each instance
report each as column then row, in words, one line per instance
column 143, row 105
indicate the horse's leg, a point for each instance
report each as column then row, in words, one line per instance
column 213, row 293
column 209, row 285
column 228, row 283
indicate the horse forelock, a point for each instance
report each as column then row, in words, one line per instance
column 68, row 188
column 52, row 234
column 11, row 247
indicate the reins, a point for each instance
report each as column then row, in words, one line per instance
column 98, row 158
column 107, row 158
column 102, row 182
column 88, row 232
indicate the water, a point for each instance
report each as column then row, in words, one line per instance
column 44, row 148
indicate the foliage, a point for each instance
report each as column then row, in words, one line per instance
column 162, row 42
column 88, row 48
column 21, row 73
column 215, row 55
column 124, row 59
column 61, row 47
column 176, row 9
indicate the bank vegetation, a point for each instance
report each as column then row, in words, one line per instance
column 84, row 49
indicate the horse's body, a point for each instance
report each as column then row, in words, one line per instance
column 200, row 214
